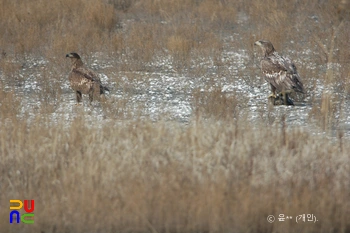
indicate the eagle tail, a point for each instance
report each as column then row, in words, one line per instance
column 103, row 89
column 106, row 89
column 299, row 87
column 296, row 84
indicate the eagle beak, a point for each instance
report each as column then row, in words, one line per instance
column 257, row 43
column 67, row 55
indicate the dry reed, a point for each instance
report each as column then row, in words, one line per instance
column 219, row 173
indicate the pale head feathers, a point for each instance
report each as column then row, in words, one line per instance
column 266, row 47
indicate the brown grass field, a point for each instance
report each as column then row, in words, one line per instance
column 216, row 173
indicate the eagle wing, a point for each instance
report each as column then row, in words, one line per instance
column 83, row 80
column 281, row 73
column 88, row 74
column 90, row 79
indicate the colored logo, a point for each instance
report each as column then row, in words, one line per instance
column 16, row 205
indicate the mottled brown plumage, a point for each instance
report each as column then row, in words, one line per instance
column 280, row 72
column 83, row 80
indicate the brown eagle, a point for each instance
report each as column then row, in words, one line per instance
column 280, row 72
column 84, row 80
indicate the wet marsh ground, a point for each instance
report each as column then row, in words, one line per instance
column 186, row 141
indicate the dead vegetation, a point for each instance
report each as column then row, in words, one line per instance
column 213, row 176
column 218, row 172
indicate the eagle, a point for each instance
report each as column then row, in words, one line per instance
column 280, row 72
column 83, row 80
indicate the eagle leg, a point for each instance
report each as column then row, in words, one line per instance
column 273, row 94
column 79, row 97
column 91, row 97
column 285, row 96
column 285, row 92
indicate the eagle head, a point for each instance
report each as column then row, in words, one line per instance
column 266, row 47
column 73, row 55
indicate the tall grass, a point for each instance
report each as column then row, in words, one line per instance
column 218, row 173
column 209, row 176
column 137, row 32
